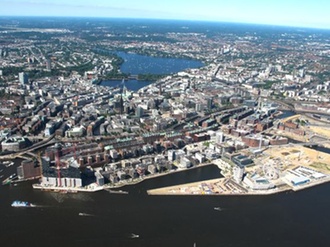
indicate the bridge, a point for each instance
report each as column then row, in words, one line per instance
column 29, row 150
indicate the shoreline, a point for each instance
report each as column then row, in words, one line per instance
column 151, row 176
column 181, row 190
column 94, row 187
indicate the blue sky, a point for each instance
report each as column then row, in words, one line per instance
column 307, row 13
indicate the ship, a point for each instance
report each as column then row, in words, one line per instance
column 117, row 191
column 217, row 208
column 22, row 204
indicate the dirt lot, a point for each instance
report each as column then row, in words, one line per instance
column 291, row 157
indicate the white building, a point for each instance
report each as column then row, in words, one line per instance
column 219, row 137
column 171, row 155
column 238, row 172
column 114, row 153
column 200, row 157
column 185, row 162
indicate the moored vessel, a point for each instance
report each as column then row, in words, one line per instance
column 117, row 191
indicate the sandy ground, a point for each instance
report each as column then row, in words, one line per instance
column 320, row 130
column 294, row 156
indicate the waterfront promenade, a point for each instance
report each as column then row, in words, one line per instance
column 298, row 168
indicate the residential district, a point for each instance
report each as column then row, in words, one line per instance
column 72, row 134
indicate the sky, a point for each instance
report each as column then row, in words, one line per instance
column 299, row 13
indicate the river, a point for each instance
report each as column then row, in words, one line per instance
column 286, row 220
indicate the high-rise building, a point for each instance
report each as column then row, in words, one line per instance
column 219, row 137
column 238, row 172
column 209, row 103
column 139, row 111
column 48, row 64
column 23, row 78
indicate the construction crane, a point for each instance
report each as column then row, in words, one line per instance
column 58, row 166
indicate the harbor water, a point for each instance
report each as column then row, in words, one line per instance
column 136, row 219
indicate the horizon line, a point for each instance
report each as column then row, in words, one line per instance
column 168, row 19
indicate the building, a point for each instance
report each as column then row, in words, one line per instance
column 48, row 64
column 171, row 155
column 219, row 138
column 238, row 173
column 200, row 157
column 242, row 160
column 76, row 132
column 209, row 103
column 139, row 112
column 68, row 177
column 185, row 162
column 28, row 169
column 99, row 178
column 14, row 144
column 23, row 78
column 256, row 182
column 114, row 153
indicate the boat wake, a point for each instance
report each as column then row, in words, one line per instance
column 134, row 235
column 86, row 215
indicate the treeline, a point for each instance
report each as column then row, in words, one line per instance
column 150, row 77
column 11, row 71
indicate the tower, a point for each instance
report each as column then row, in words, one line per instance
column 139, row 111
column 48, row 64
column 209, row 103
column 23, row 78
column 121, row 102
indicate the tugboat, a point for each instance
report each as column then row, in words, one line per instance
column 22, row 204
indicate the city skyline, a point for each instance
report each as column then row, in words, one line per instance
column 285, row 13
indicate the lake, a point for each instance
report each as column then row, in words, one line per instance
column 139, row 64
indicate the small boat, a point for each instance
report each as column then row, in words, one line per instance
column 135, row 235
column 6, row 181
column 22, row 204
column 84, row 214
column 10, row 164
column 217, row 208
column 117, row 191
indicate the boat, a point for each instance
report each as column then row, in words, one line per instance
column 117, row 191
column 135, row 235
column 22, row 204
column 84, row 214
column 10, row 164
column 6, row 181
column 217, row 208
